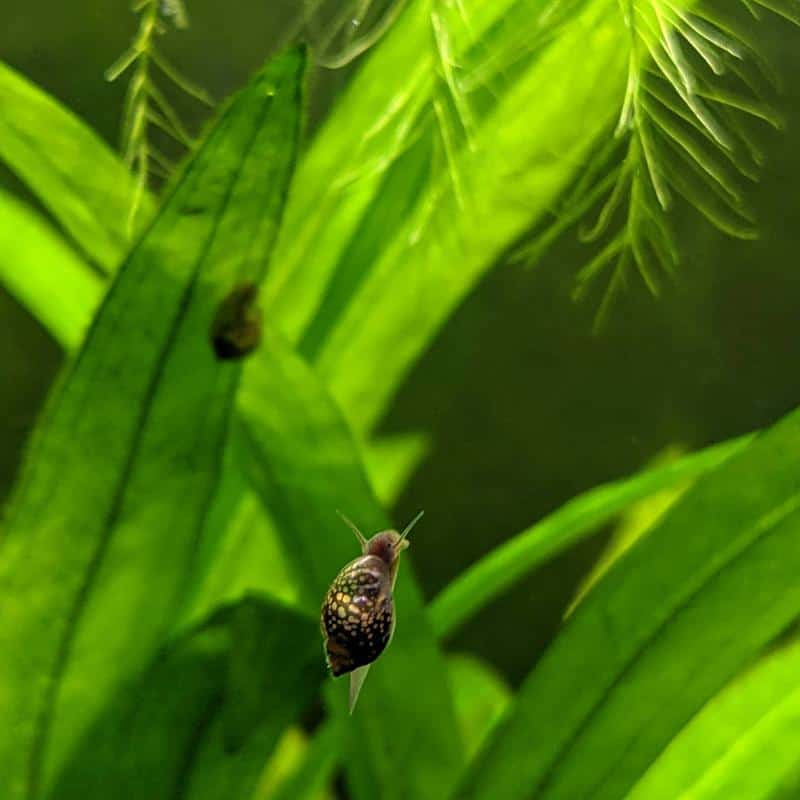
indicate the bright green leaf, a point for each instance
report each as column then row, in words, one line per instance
column 45, row 275
column 655, row 639
column 582, row 516
column 481, row 696
column 73, row 172
column 393, row 158
column 124, row 466
column 315, row 769
column 741, row 746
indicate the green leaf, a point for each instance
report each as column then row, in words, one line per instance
column 743, row 744
column 383, row 239
column 33, row 259
column 582, row 516
column 238, row 552
column 391, row 460
column 100, row 539
column 274, row 671
column 316, row 768
column 655, row 639
column 75, row 175
column 305, row 465
column 481, row 698
column 254, row 663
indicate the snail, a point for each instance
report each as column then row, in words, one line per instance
column 357, row 618
column 236, row 329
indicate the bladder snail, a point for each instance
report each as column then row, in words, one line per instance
column 357, row 617
column 236, row 328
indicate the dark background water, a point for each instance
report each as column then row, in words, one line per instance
column 525, row 405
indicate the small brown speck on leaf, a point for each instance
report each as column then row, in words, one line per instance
column 236, row 329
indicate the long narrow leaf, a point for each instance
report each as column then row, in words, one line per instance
column 305, row 464
column 741, row 745
column 74, row 173
column 655, row 639
column 364, row 307
column 45, row 274
column 582, row 516
column 125, row 463
column 202, row 718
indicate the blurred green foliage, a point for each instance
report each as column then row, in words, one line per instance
column 172, row 527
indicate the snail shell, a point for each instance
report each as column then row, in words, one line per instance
column 236, row 328
column 358, row 616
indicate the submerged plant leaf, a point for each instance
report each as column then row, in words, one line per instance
column 355, row 299
column 582, row 516
column 168, row 732
column 655, row 639
column 741, row 745
column 99, row 541
column 273, row 672
column 316, row 768
column 304, row 463
column 33, row 259
column 75, row 175
column 481, row 698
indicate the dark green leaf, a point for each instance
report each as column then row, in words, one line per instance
column 164, row 735
column 274, row 671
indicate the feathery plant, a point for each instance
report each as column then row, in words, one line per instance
column 341, row 31
column 682, row 132
column 146, row 104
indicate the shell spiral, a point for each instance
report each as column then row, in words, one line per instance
column 358, row 614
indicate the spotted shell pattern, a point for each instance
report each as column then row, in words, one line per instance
column 358, row 614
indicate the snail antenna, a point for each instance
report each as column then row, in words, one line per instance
column 350, row 524
column 411, row 525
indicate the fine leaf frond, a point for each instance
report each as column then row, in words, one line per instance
column 695, row 86
column 146, row 106
column 339, row 31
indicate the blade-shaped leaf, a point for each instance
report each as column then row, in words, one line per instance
column 313, row 772
column 36, row 264
column 655, row 639
column 274, row 670
column 168, row 733
column 481, row 697
column 304, row 463
column 743, row 744
column 101, row 535
column 74, row 173
column 356, row 299
column 582, row 516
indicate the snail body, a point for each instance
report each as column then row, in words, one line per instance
column 358, row 616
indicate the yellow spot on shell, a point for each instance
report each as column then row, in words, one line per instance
column 345, row 598
column 341, row 611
